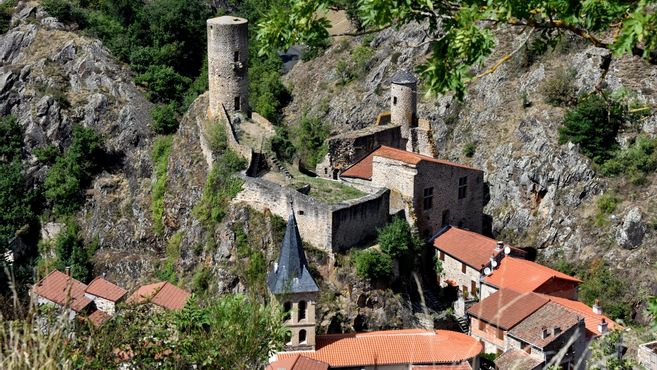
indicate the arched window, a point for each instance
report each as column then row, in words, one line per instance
column 287, row 308
column 302, row 336
column 302, row 310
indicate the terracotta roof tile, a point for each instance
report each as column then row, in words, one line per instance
column 363, row 168
column 466, row 246
column 412, row 346
column 98, row 318
column 591, row 319
column 523, row 276
column 298, row 362
column 63, row 290
column 105, row 289
column 463, row 366
column 506, row 308
column 163, row 294
column 550, row 316
column 517, row 360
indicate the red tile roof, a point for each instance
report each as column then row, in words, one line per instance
column 591, row 319
column 466, row 246
column 98, row 318
column 463, row 366
column 104, row 289
column 163, row 294
column 550, row 316
column 517, row 360
column 363, row 168
column 506, row 308
column 63, row 290
column 298, row 362
column 523, row 276
column 411, row 346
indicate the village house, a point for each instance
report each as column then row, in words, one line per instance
column 60, row 290
column 431, row 192
column 162, row 295
column 105, row 294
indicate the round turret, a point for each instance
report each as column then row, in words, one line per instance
column 403, row 101
column 227, row 64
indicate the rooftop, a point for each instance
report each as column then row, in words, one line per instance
column 227, row 20
column 523, row 276
column 291, row 274
column 105, row 289
column 411, row 346
column 517, row 360
column 62, row 290
column 163, row 294
column 551, row 316
column 363, row 168
column 591, row 319
column 298, row 362
column 466, row 246
column 506, row 308
column 98, row 318
column 403, row 77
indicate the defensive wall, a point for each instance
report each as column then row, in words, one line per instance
column 330, row 227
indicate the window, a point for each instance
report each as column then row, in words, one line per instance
column 500, row 334
column 463, row 187
column 302, row 336
column 428, row 198
column 482, row 325
column 463, row 267
column 237, row 107
column 526, row 347
column 236, row 56
column 394, row 100
column 287, row 307
column 302, row 310
column 473, row 287
column 442, row 256
column 445, row 217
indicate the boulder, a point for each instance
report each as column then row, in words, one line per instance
column 630, row 234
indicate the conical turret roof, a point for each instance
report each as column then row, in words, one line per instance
column 403, row 77
column 291, row 273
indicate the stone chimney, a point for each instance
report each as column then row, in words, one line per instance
column 499, row 247
column 603, row 327
column 67, row 270
column 597, row 309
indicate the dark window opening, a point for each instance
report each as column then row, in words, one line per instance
column 500, row 334
column 463, row 187
column 442, row 256
column 473, row 287
column 287, row 307
column 236, row 56
column 463, row 267
column 445, row 217
column 428, row 198
column 394, row 100
column 302, row 336
column 237, row 103
column 302, row 310
column 482, row 325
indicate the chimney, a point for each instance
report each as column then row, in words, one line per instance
column 67, row 270
column 544, row 332
column 602, row 327
column 597, row 309
column 499, row 247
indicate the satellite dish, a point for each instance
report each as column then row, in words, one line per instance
column 487, row 271
column 507, row 250
column 493, row 263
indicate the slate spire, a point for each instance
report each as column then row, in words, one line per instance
column 291, row 273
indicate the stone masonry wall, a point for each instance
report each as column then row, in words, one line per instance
column 452, row 270
column 359, row 220
column 403, row 112
column 228, row 77
column 646, row 355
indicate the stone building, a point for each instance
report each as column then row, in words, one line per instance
column 105, row 294
column 431, row 192
column 295, row 290
column 228, row 65
column 647, row 355
column 60, row 290
column 403, row 102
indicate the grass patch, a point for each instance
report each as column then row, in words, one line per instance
column 327, row 191
column 160, row 156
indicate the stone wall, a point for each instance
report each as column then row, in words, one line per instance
column 647, row 356
column 328, row 227
column 403, row 107
column 346, row 149
column 452, row 270
column 227, row 64
column 488, row 334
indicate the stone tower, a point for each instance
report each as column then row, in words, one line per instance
column 403, row 102
column 295, row 290
column 228, row 64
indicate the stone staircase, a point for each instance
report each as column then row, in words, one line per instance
column 464, row 324
column 280, row 167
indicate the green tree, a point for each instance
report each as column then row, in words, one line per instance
column 166, row 119
column 461, row 35
column 309, row 139
column 600, row 282
column 72, row 252
column 373, row 264
column 397, row 240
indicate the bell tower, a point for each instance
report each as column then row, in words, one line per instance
column 292, row 287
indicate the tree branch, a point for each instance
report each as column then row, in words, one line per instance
column 361, row 33
column 505, row 58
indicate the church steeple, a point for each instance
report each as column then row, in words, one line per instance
column 294, row 288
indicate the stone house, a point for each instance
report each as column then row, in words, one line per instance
column 647, row 355
column 162, row 295
column 431, row 192
column 60, row 290
column 105, row 294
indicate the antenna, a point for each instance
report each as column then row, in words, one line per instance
column 487, row 271
column 507, row 250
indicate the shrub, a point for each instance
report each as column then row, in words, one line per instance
column 201, row 280
column 560, row 89
column 396, row 239
column 602, row 283
column 361, row 57
column 373, row 264
column 165, row 119
column 309, row 140
column 65, row 11
column 6, row 10
column 607, row 203
column 469, row 149
column 164, row 83
column 46, row 154
column 217, row 139
column 167, row 272
column 268, row 95
column 593, row 125
column 72, row 252
column 160, row 156
column 282, row 146
column 636, row 161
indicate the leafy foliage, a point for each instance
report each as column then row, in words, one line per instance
column 604, row 354
column 460, row 36
column 72, row 252
column 397, row 240
column 166, row 119
column 160, row 156
column 469, row 149
column 636, row 161
column 560, row 89
column 281, row 144
column 73, row 171
column 602, row 283
column 6, row 10
column 593, row 124
column 309, row 139
column 373, row 264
